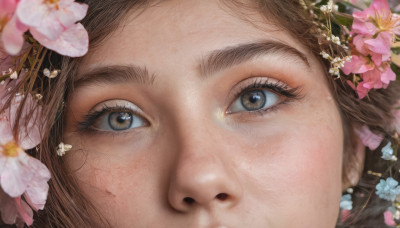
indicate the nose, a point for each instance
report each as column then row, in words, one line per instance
column 203, row 176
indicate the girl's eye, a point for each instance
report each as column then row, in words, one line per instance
column 254, row 100
column 118, row 121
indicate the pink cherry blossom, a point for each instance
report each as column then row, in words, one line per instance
column 376, row 18
column 52, row 23
column 369, row 139
column 21, row 174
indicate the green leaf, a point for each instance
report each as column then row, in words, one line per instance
column 396, row 50
column 323, row 2
column 31, row 60
column 346, row 21
column 396, row 70
column 342, row 7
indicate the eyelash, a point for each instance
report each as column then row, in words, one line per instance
column 90, row 119
column 277, row 87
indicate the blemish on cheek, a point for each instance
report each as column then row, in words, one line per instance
column 109, row 193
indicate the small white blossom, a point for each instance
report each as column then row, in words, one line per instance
column 348, row 58
column 14, row 75
column 328, row 8
column 325, row 55
column 50, row 74
column 46, row 72
column 324, row 9
column 334, row 71
column 336, row 40
column 39, row 96
column 350, row 190
column 62, row 148
column 336, row 7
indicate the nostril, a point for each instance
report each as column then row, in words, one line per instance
column 222, row 196
column 188, row 200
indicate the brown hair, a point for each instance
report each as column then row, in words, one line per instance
column 67, row 206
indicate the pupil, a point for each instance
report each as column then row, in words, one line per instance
column 253, row 100
column 120, row 120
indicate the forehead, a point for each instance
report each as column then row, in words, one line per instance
column 184, row 31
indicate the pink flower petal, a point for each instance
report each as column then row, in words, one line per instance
column 13, row 209
column 32, row 12
column 359, row 43
column 368, row 138
column 71, row 13
column 7, row 7
column 388, row 75
column 16, row 175
column 36, row 192
column 364, row 28
column 389, row 218
column 12, row 37
column 372, row 79
column 361, row 90
column 73, row 42
column 377, row 59
column 345, row 215
column 24, row 211
column 381, row 44
column 381, row 6
column 357, row 65
column 50, row 27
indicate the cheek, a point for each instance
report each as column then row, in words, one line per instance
column 299, row 162
column 113, row 177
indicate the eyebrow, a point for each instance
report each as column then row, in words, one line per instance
column 230, row 56
column 115, row 74
column 213, row 62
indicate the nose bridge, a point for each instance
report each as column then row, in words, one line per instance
column 202, row 175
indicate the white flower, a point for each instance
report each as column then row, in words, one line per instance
column 328, row 8
column 14, row 75
column 336, row 40
column 62, row 148
column 51, row 74
column 325, row 55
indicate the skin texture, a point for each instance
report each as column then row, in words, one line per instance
column 275, row 168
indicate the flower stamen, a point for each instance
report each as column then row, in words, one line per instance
column 11, row 149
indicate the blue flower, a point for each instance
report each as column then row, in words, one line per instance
column 387, row 152
column 388, row 189
column 346, row 203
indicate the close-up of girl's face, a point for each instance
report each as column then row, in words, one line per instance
column 192, row 115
